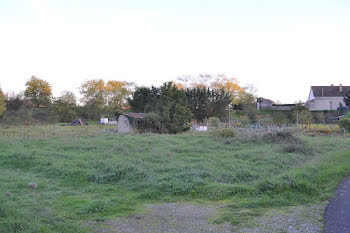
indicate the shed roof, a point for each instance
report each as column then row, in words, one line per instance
column 135, row 115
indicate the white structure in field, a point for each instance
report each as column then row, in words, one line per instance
column 202, row 128
column 104, row 121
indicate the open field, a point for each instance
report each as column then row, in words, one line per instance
column 88, row 178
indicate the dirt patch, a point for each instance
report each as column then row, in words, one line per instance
column 295, row 219
column 168, row 217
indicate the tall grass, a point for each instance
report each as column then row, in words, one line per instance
column 97, row 176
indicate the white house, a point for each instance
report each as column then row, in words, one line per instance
column 326, row 97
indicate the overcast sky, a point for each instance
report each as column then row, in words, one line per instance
column 282, row 47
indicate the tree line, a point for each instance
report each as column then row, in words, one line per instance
column 176, row 103
column 169, row 108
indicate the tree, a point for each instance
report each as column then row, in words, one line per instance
column 15, row 102
column 167, row 102
column 2, row 102
column 246, row 98
column 117, row 93
column 205, row 103
column 141, row 99
column 172, row 106
column 38, row 91
column 198, row 102
column 65, row 106
column 230, row 85
column 302, row 114
column 93, row 89
column 201, row 81
column 347, row 98
column 100, row 97
column 241, row 97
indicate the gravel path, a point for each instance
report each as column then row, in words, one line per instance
column 294, row 219
column 184, row 217
column 337, row 215
column 169, row 217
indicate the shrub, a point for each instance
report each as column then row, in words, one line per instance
column 279, row 118
column 225, row 133
column 303, row 116
column 252, row 115
column 152, row 123
column 345, row 124
column 319, row 117
column 281, row 137
column 319, row 128
column 214, row 121
column 298, row 148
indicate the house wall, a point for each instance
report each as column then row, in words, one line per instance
column 264, row 105
column 325, row 103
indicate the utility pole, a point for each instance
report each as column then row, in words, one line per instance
column 229, row 115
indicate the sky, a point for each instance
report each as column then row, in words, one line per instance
column 282, row 47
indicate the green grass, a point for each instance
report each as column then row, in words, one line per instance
column 94, row 177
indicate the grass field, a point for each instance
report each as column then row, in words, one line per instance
column 96, row 175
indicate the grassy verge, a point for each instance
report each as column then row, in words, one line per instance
column 84, row 177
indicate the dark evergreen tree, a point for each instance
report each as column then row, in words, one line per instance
column 205, row 103
column 141, row 98
column 168, row 102
column 347, row 98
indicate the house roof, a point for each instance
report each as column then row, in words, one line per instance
column 134, row 114
column 329, row 91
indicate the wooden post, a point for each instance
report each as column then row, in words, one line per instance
column 54, row 130
column 20, row 131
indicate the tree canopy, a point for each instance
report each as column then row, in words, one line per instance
column 64, row 106
column 105, row 98
column 168, row 102
column 241, row 97
column 2, row 102
column 38, row 91
column 205, row 103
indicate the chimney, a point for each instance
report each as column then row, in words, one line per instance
column 341, row 88
column 322, row 91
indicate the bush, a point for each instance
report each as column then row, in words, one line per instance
column 214, row 121
column 279, row 118
column 252, row 115
column 281, row 137
column 344, row 123
column 298, row 148
column 152, row 123
column 303, row 116
column 22, row 116
column 225, row 133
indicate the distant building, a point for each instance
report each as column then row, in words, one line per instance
column 327, row 97
column 263, row 104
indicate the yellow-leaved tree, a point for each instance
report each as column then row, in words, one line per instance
column 2, row 102
column 105, row 98
column 117, row 93
column 38, row 91
column 230, row 85
column 242, row 97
